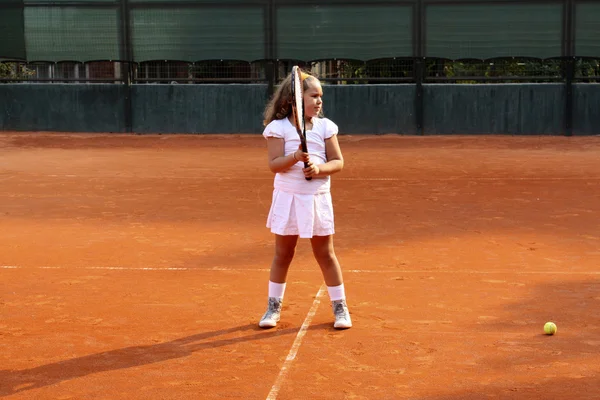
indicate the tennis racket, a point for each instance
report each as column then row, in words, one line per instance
column 298, row 109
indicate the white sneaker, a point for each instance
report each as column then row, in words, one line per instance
column 342, row 315
column 273, row 314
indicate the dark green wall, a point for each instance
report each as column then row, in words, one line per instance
column 357, row 109
column 238, row 108
column 56, row 107
column 586, row 109
column 368, row 109
column 493, row 108
column 198, row 108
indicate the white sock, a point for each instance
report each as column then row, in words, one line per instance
column 336, row 292
column 276, row 289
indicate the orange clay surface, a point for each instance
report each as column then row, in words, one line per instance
column 136, row 267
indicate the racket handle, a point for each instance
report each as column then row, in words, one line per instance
column 305, row 149
column 308, row 178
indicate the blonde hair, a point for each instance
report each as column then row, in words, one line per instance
column 280, row 105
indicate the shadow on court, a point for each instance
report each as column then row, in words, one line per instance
column 22, row 380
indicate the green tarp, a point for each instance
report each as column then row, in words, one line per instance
column 344, row 32
column 193, row 34
column 73, row 34
column 484, row 31
column 587, row 30
column 12, row 41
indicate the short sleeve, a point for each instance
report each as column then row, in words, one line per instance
column 331, row 129
column 273, row 129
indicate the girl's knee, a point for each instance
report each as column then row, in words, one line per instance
column 285, row 254
column 285, row 248
column 324, row 255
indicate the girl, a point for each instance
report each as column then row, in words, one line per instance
column 302, row 208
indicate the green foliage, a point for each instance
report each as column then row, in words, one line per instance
column 13, row 70
column 473, row 71
column 588, row 68
column 355, row 72
column 499, row 68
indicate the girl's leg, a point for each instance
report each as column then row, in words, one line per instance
column 332, row 273
column 285, row 247
column 325, row 255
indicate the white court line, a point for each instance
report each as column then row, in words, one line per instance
column 142, row 268
column 356, row 271
column 295, row 346
column 469, row 178
column 408, row 180
column 124, row 268
column 474, row 272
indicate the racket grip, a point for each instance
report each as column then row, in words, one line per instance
column 305, row 149
column 308, row 178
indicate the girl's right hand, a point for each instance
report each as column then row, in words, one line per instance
column 301, row 156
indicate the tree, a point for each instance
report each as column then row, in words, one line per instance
column 15, row 70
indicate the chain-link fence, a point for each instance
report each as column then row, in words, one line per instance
column 401, row 70
column 257, row 41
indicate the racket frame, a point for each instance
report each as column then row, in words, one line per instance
column 299, row 122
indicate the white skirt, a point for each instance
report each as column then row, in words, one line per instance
column 305, row 215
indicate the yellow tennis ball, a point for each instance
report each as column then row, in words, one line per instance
column 550, row 328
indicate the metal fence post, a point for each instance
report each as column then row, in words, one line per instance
column 568, row 64
column 270, row 48
column 125, row 55
column 419, row 67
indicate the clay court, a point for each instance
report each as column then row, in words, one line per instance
column 136, row 267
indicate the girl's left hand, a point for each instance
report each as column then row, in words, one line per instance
column 311, row 171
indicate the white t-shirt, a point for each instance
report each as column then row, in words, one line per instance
column 292, row 180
